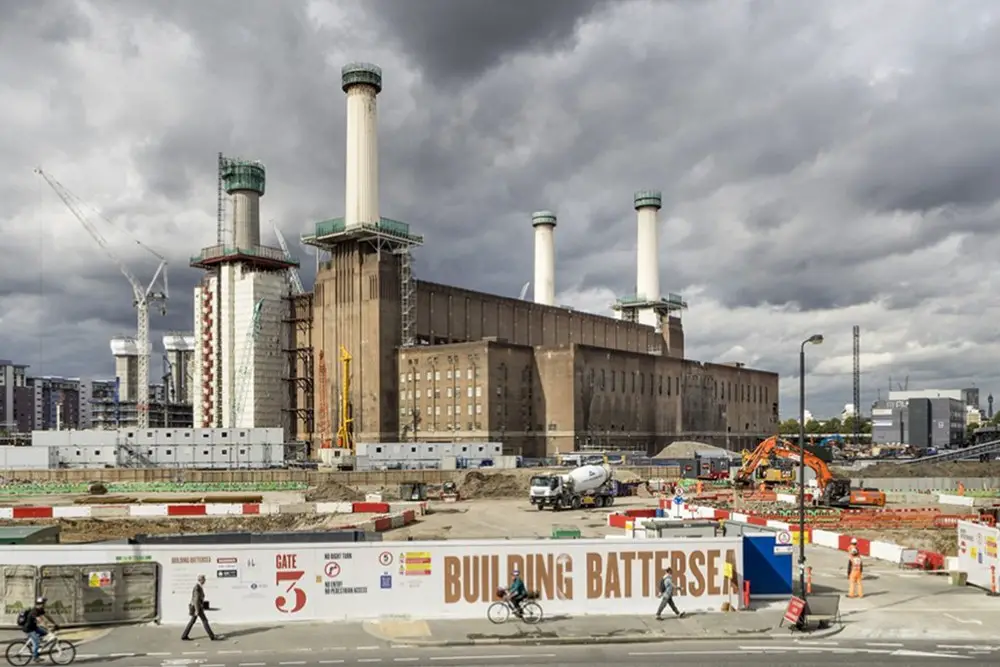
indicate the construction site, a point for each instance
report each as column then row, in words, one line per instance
column 485, row 504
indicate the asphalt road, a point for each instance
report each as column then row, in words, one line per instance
column 764, row 653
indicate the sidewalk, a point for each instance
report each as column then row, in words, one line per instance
column 164, row 641
column 575, row 630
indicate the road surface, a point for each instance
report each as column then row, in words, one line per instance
column 776, row 652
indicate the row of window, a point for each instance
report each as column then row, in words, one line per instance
column 436, row 410
column 435, row 376
column 169, row 452
column 469, row 393
column 728, row 391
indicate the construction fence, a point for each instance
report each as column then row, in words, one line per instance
column 81, row 595
column 284, row 476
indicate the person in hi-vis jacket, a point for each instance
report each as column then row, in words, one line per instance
column 855, row 571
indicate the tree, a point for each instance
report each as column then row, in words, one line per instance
column 789, row 427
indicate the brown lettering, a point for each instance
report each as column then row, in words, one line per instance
column 595, row 585
column 544, row 572
column 646, row 558
column 696, row 567
column 678, row 561
column 612, row 582
column 714, row 573
column 452, row 580
column 286, row 562
column 564, row 579
column 627, row 558
column 470, row 578
column 734, row 585
column 494, row 583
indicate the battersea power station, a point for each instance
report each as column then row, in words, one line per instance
column 395, row 359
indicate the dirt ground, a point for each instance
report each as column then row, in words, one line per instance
column 948, row 469
column 940, row 540
column 98, row 530
column 508, row 518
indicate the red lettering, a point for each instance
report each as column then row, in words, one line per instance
column 286, row 561
column 290, row 578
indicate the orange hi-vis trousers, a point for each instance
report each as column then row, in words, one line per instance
column 855, row 587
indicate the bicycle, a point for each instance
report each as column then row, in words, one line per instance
column 501, row 611
column 60, row 651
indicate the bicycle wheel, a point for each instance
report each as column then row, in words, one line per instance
column 18, row 653
column 63, row 653
column 498, row 612
column 531, row 612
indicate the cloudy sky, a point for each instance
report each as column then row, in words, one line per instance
column 823, row 164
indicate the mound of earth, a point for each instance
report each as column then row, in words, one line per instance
column 945, row 469
column 331, row 491
column 97, row 489
column 476, row 484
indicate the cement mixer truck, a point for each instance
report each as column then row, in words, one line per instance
column 591, row 485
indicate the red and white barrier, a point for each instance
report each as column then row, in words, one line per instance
column 186, row 510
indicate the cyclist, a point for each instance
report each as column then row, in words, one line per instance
column 517, row 592
column 33, row 629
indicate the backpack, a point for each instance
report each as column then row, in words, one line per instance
column 663, row 585
column 22, row 618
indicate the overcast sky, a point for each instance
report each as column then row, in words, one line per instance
column 823, row 164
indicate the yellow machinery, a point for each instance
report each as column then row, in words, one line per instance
column 345, row 424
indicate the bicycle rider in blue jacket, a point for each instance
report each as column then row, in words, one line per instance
column 517, row 592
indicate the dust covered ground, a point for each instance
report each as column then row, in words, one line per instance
column 940, row 540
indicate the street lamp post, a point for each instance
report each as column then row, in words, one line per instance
column 815, row 339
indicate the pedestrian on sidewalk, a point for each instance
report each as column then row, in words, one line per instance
column 855, row 572
column 196, row 609
column 666, row 590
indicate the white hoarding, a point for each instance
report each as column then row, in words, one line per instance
column 977, row 553
column 250, row 583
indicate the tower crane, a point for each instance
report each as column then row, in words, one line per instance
column 292, row 274
column 243, row 372
column 142, row 297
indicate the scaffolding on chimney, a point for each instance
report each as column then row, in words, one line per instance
column 630, row 306
column 386, row 236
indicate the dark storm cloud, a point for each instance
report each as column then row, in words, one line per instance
column 814, row 156
column 457, row 40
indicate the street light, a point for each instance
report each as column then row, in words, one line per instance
column 815, row 339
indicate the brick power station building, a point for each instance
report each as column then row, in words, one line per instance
column 435, row 363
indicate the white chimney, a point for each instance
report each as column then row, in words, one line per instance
column 647, row 261
column 362, row 82
column 544, row 223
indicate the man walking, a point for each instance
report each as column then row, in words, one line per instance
column 196, row 609
column 666, row 589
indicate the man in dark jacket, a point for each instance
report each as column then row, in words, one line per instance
column 196, row 609
column 666, row 590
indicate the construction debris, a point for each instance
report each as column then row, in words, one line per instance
column 331, row 491
column 944, row 469
column 493, row 485
column 683, row 449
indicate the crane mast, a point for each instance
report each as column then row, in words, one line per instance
column 142, row 297
column 292, row 274
column 243, row 374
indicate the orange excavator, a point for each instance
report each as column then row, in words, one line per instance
column 834, row 492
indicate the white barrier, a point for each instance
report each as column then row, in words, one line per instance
column 308, row 582
column 885, row 551
column 334, row 508
column 71, row 511
column 826, row 538
column 789, row 498
column 223, row 509
column 780, row 525
column 738, row 517
column 951, row 499
column 147, row 510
